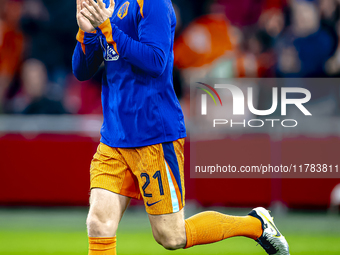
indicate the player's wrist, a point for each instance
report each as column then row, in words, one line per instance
column 82, row 34
column 90, row 31
column 104, row 25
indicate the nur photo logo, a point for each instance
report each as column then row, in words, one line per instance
column 204, row 97
column 241, row 101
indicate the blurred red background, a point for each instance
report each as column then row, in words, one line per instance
column 53, row 169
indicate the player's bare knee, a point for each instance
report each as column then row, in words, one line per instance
column 98, row 227
column 171, row 241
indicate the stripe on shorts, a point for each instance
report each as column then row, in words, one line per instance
column 171, row 158
column 174, row 200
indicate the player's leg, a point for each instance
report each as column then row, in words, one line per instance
column 161, row 179
column 173, row 232
column 106, row 210
column 160, row 172
column 112, row 185
column 209, row 227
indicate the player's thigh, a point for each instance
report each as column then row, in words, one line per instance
column 111, row 184
column 106, row 210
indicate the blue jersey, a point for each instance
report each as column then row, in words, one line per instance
column 140, row 107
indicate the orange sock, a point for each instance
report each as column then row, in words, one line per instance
column 210, row 227
column 102, row 245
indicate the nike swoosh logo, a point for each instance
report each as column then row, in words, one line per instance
column 278, row 234
column 147, row 203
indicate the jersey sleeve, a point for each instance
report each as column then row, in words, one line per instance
column 152, row 50
column 87, row 56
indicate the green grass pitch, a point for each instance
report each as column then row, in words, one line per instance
column 63, row 231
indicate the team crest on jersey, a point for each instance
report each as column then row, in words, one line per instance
column 123, row 11
column 109, row 53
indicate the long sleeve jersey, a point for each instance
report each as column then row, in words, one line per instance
column 140, row 107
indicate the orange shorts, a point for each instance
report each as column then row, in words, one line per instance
column 154, row 173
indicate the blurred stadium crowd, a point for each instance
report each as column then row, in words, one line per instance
column 216, row 38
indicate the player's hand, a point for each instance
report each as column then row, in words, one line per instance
column 83, row 23
column 97, row 13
